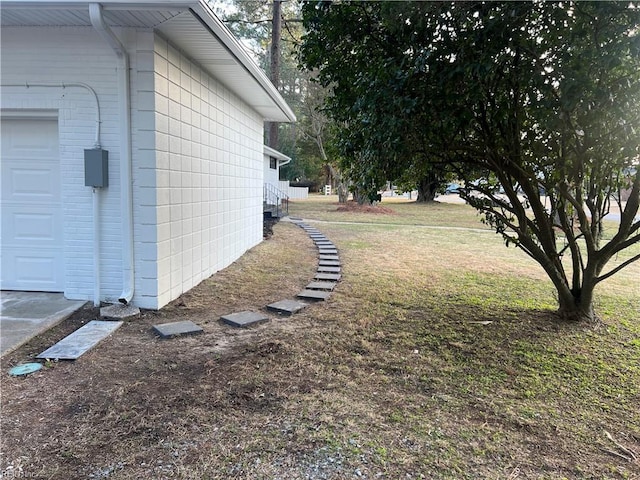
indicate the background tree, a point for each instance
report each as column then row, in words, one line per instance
column 521, row 96
column 308, row 141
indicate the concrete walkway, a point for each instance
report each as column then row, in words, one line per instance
column 24, row 315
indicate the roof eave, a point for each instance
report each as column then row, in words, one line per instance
column 220, row 31
column 276, row 154
column 200, row 10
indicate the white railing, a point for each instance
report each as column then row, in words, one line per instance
column 275, row 198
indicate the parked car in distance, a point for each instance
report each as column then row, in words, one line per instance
column 452, row 188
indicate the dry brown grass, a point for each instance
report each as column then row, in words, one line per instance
column 391, row 378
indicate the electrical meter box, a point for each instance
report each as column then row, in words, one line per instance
column 96, row 168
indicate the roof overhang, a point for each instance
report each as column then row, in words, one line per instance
column 191, row 25
column 275, row 154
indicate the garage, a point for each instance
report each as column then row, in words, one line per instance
column 32, row 225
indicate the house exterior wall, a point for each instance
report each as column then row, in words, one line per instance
column 197, row 159
column 70, row 55
column 271, row 175
column 209, row 176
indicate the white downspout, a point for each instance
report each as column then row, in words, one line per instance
column 124, row 100
column 96, row 246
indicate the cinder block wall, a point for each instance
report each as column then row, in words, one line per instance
column 196, row 149
column 209, row 177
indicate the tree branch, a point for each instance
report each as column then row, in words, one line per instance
column 618, row 268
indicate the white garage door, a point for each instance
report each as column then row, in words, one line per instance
column 32, row 233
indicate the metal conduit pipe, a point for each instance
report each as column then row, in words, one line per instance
column 93, row 93
column 124, row 95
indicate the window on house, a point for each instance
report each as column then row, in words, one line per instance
column 273, row 163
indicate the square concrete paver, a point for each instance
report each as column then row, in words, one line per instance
column 176, row 329
column 327, row 251
column 321, row 286
column 287, row 307
column 329, row 263
column 244, row 319
column 314, row 295
column 328, row 276
column 81, row 341
column 323, row 268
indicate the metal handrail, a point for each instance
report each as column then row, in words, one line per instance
column 274, row 196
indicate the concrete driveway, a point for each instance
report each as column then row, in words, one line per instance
column 24, row 315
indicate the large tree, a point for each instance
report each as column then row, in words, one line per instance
column 519, row 98
column 307, row 142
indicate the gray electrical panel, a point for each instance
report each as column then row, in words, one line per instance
column 96, row 168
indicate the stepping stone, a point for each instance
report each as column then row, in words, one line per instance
column 329, row 263
column 327, row 251
column 324, row 243
column 119, row 311
column 318, row 236
column 81, row 341
column 314, row 295
column 244, row 319
column 324, row 269
column 328, row 276
column 175, row 329
column 321, row 286
column 287, row 307
column 328, row 257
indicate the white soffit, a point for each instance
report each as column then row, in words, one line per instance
column 202, row 44
column 190, row 25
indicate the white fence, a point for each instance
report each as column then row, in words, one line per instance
column 295, row 193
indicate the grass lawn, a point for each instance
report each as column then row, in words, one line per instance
column 438, row 356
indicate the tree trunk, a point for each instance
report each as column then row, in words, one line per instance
column 343, row 192
column 276, row 30
column 361, row 197
column 427, row 187
column 342, row 186
column 576, row 305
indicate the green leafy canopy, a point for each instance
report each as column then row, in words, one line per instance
column 518, row 98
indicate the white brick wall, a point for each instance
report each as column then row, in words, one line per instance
column 72, row 55
column 197, row 158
